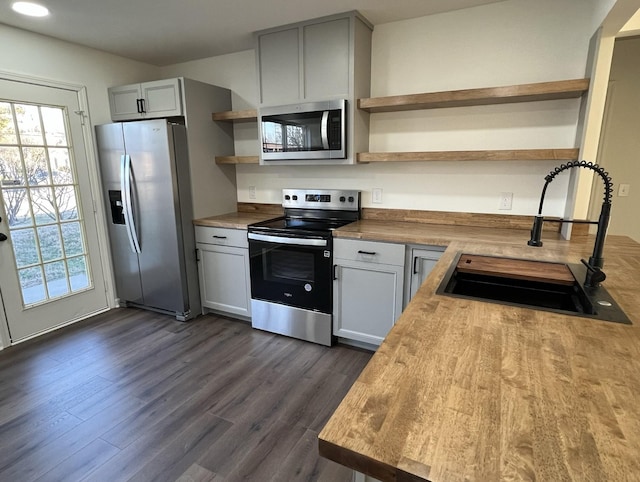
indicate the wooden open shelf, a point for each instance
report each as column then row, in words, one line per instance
column 491, row 155
column 563, row 89
column 237, row 160
column 236, row 115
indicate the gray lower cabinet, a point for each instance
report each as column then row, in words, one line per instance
column 420, row 262
column 223, row 268
column 148, row 100
column 367, row 289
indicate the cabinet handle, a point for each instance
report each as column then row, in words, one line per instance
column 371, row 253
column 415, row 263
column 219, row 237
column 142, row 107
column 138, row 108
column 197, row 255
column 335, row 276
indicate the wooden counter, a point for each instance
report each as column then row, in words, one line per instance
column 237, row 220
column 468, row 390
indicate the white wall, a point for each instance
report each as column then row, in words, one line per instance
column 35, row 55
column 517, row 41
column 620, row 143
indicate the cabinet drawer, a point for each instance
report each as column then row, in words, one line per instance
column 222, row 236
column 369, row 251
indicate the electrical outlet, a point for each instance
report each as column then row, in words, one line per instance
column 376, row 195
column 252, row 192
column 506, row 200
column 623, row 190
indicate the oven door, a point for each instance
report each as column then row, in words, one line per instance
column 291, row 270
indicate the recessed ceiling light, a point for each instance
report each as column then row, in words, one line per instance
column 31, row 9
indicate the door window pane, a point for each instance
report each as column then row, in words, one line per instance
column 72, row 239
column 60, row 165
column 17, row 207
column 25, row 248
column 11, row 171
column 32, row 285
column 7, row 127
column 66, row 202
column 50, row 244
column 44, row 208
column 35, row 163
column 56, row 275
column 78, row 274
column 29, row 127
column 39, row 189
column 54, row 130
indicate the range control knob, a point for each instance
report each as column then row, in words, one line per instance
column 351, row 199
column 295, row 198
column 342, row 199
column 287, row 197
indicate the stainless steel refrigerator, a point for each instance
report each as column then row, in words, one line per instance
column 147, row 190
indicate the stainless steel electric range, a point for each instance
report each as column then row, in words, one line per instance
column 291, row 263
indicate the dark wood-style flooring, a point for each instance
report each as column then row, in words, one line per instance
column 134, row 395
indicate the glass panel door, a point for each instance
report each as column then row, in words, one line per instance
column 51, row 268
column 40, row 193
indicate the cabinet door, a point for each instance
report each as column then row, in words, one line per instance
column 422, row 262
column 162, row 98
column 326, row 60
column 279, row 67
column 123, row 102
column 224, row 279
column 367, row 300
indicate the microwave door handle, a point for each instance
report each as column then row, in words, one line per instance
column 324, row 130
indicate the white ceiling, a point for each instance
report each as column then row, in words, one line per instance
column 163, row 32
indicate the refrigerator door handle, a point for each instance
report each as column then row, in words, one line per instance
column 125, row 187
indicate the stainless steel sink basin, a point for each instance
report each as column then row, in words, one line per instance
column 566, row 296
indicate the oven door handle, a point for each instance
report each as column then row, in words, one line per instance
column 282, row 240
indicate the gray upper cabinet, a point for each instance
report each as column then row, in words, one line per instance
column 149, row 100
column 279, row 66
column 314, row 60
column 326, row 59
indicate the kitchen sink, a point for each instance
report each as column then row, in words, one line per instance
column 533, row 284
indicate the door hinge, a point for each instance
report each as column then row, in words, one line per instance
column 81, row 114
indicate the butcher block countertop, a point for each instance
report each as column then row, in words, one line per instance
column 235, row 220
column 464, row 390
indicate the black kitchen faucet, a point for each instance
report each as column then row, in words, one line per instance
column 595, row 275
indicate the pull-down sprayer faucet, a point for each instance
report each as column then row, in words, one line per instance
column 594, row 273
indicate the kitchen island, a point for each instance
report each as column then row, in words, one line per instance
column 471, row 390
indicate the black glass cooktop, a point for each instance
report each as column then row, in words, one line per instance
column 307, row 224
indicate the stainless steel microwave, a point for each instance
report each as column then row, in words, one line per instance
column 303, row 132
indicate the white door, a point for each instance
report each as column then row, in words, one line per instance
column 50, row 265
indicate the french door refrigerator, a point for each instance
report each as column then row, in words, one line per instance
column 146, row 184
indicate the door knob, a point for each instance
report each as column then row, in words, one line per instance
column 3, row 237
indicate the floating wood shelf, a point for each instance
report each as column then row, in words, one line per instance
column 236, row 115
column 563, row 89
column 237, row 160
column 492, row 155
